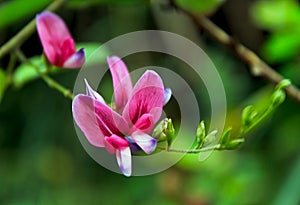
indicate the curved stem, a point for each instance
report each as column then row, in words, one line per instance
column 193, row 151
column 256, row 65
column 20, row 37
column 50, row 82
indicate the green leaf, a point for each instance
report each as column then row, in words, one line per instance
column 226, row 136
column 282, row 46
column 16, row 10
column 274, row 15
column 4, row 81
column 91, row 49
column 80, row 3
column 26, row 73
column 210, row 138
column 202, row 6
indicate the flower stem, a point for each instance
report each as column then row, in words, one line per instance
column 193, row 151
column 20, row 37
column 50, row 82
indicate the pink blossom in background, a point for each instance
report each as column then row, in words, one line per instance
column 128, row 128
column 57, row 42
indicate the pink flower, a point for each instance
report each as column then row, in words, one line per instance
column 58, row 44
column 138, row 108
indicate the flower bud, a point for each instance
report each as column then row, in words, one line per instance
column 200, row 134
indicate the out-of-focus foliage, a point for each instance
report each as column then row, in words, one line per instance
column 26, row 72
column 203, row 6
column 3, row 83
column 282, row 19
column 13, row 11
column 43, row 162
column 79, row 3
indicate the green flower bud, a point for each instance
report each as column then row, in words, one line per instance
column 226, row 136
column 200, row 134
column 233, row 144
column 170, row 132
column 248, row 116
column 278, row 97
column 159, row 130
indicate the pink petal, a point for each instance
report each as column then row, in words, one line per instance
column 109, row 146
column 84, row 116
column 144, row 123
column 109, row 121
column 76, row 60
column 116, row 141
column 146, row 142
column 52, row 32
column 67, row 49
column 147, row 98
column 121, row 81
column 124, row 160
column 93, row 94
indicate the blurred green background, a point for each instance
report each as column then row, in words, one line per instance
column 43, row 162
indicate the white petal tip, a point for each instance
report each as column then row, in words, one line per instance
column 167, row 95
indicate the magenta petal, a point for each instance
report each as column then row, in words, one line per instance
column 52, row 32
column 76, row 60
column 93, row 94
column 121, row 81
column 67, row 49
column 144, row 123
column 117, row 141
column 147, row 98
column 108, row 146
column 84, row 116
column 124, row 160
column 109, row 121
column 146, row 142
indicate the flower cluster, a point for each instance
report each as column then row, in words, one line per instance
column 127, row 128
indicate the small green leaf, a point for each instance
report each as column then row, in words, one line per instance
column 233, row 144
column 26, row 73
column 202, row 6
column 248, row 116
column 210, row 138
column 200, row 134
column 4, row 81
column 226, row 136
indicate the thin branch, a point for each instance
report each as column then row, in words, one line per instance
column 256, row 65
column 192, row 151
column 20, row 37
column 50, row 82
